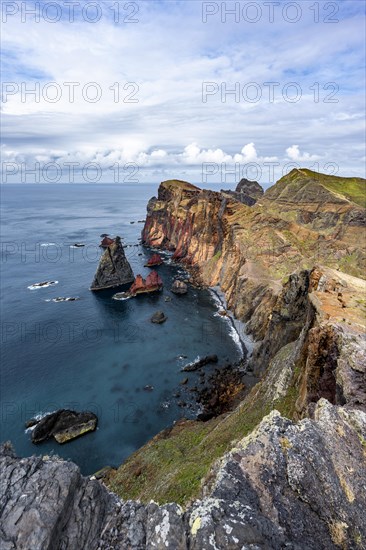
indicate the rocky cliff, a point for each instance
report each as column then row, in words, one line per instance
column 248, row 192
column 262, row 256
column 285, row 485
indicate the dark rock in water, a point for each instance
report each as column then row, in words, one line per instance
column 63, row 425
column 167, row 299
column 65, row 299
column 184, row 381
column 148, row 387
column 30, row 423
column 248, row 192
column 44, row 284
column 200, row 363
column 179, row 287
column 287, row 485
column 113, row 269
column 158, row 317
column 104, row 235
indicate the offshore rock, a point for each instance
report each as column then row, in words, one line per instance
column 179, row 287
column 63, row 425
column 155, row 260
column 286, row 485
column 152, row 283
column 113, row 269
column 158, row 317
column 200, row 363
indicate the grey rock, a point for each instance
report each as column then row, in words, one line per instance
column 248, row 192
column 286, row 485
column 113, row 269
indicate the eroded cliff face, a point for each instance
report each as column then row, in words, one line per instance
column 260, row 256
column 286, row 485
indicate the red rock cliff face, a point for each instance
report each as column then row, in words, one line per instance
column 251, row 253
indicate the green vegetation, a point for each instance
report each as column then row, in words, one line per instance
column 351, row 189
column 217, row 256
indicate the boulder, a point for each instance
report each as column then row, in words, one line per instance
column 158, row 317
column 113, row 269
column 179, row 287
column 63, row 425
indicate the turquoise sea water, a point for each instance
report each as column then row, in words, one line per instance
column 94, row 353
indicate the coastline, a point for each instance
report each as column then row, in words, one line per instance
column 238, row 328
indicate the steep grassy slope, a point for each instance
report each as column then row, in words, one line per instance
column 304, row 185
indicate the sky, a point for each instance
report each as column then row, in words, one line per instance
column 202, row 91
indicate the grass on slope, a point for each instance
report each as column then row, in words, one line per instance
column 352, row 189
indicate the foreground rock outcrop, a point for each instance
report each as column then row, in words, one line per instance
column 286, row 485
column 113, row 269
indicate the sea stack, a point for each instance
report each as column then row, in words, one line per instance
column 152, row 283
column 113, row 269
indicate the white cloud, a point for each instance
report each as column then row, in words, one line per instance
column 294, row 153
column 169, row 67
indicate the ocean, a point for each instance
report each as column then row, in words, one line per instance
column 94, row 353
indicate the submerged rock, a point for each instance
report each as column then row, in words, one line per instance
column 64, row 299
column 44, row 284
column 62, row 425
column 113, row 269
column 179, row 287
column 158, row 317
